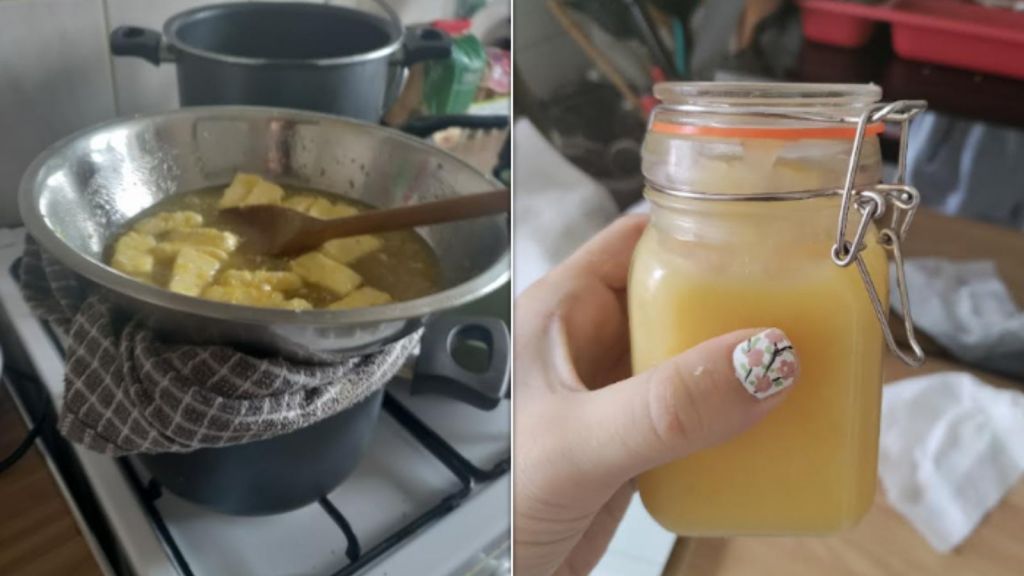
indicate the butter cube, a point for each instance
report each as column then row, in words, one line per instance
column 300, row 203
column 271, row 280
column 254, row 296
column 347, row 250
column 238, row 190
column 132, row 254
column 362, row 298
column 247, row 295
column 192, row 272
column 317, row 269
column 296, row 304
column 210, row 237
column 169, row 250
column 136, row 241
column 325, row 210
column 264, row 193
column 167, row 221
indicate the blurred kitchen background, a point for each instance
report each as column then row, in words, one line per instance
column 57, row 74
column 584, row 71
column 587, row 67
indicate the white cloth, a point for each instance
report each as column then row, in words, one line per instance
column 967, row 308
column 558, row 207
column 950, row 449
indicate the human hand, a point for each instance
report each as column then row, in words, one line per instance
column 584, row 428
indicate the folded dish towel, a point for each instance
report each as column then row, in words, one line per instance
column 127, row 391
column 966, row 307
column 951, row 447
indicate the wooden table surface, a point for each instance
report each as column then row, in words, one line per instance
column 38, row 534
column 884, row 544
column 932, row 234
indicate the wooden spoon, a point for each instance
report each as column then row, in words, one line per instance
column 279, row 231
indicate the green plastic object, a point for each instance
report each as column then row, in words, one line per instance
column 466, row 8
column 450, row 86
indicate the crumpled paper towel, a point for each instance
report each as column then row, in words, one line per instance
column 951, row 447
column 967, row 308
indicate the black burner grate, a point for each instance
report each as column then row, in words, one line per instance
column 461, row 467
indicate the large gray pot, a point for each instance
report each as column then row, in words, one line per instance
column 319, row 57
column 78, row 195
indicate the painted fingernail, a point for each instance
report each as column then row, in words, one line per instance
column 766, row 363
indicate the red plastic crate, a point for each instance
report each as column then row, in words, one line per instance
column 837, row 23
column 956, row 33
column 959, row 34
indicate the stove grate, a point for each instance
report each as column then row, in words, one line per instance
column 468, row 474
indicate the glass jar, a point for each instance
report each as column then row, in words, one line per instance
column 746, row 184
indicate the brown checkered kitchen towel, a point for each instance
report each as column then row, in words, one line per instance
column 126, row 391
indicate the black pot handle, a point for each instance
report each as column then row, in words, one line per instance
column 425, row 43
column 428, row 125
column 139, row 42
column 419, row 43
column 437, row 371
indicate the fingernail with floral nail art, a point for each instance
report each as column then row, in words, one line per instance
column 766, row 363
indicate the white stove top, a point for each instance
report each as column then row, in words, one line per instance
column 395, row 484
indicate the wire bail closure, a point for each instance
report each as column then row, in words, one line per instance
column 873, row 202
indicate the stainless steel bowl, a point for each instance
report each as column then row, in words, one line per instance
column 76, row 197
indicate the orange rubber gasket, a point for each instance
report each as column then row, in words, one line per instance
column 822, row 133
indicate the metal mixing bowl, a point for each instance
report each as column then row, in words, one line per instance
column 77, row 196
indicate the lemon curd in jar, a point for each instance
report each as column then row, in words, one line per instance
column 707, row 267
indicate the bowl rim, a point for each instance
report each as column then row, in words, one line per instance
column 481, row 284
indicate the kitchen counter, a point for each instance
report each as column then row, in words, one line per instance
column 884, row 543
column 933, row 234
column 38, row 534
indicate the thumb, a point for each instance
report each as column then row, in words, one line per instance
column 697, row 399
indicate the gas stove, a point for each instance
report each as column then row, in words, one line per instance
column 430, row 497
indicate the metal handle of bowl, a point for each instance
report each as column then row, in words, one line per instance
column 438, row 370
column 140, row 42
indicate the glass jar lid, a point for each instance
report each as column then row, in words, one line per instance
column 778, row 94
column 755, row 110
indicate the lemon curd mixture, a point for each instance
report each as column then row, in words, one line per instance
column 180, row 244
column 705, row 268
